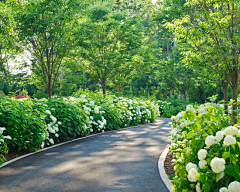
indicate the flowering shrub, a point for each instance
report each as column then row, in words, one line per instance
column 3, row 144
column 205, row 149
column 33, row 124
column 23, row 124
column 170, row 107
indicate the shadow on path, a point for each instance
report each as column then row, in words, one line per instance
column 123, row 160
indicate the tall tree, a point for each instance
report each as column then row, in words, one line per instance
column 45, row 27
column 212, row 33
column 111, row 42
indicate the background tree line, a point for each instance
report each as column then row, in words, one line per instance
column 131, row 47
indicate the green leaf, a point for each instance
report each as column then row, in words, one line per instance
column 233, row 159
column 225, row 155
column 184, row 115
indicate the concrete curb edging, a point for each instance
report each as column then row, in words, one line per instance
column 162, row 172
column 44, row 149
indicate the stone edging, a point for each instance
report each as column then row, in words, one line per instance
column 162, row 172
column 40, row 150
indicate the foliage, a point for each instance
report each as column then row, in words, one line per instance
column 205, row 148
column 3, row 144
column 211, row 35
column 112, row 44
column 23, row 123
column 73, row 121
column 171, row 106
column 47, row 34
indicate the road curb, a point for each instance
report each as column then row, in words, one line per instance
column 44, row 149
column 162, row 171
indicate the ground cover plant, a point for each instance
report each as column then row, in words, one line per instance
column 205, row 146
column 32, row 124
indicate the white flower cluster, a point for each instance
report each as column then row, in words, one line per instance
column 218, row 165
column 2, row 137
column 210, row 140
column 232, row 187
column 51, row 128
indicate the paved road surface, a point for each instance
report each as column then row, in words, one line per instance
column 125, row 160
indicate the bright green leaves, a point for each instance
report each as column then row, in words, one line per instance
column 233, row 170
column 225, row 155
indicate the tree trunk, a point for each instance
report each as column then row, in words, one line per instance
column 235, row 83
column 234, row 107
column 103, row 87
column 49, row 87
column 225, row 93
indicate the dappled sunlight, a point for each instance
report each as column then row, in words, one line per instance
column 115, row 160
column 8, row 171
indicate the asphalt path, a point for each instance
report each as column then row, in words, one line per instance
column 123, row 160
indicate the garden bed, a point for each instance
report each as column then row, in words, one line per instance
column 169, row 165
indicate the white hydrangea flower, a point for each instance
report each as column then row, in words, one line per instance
column 56, row 135
column 2, row 129
column 1, row 140
column 210, row 140
column 189, row 107
column 218, row 165
column 190, row 166
column 96, row 110
column 42, row 144
column 231, row 130
column 51, row 141
column 202, row 163
column 48, row 112
column 192, row 175
column 223, row 189
column 234, row 186
column 54, row 119
column 229, row 140
column 220, row 176
column 238, row 133
column 59, row 123
column 198, row 187
column 219, row 136
column 91, row 130
column 179, row 115
column 91, row 102
column 202, row 153
column 202, row 111
column 173, row 117
column 7, row 137
column 183, row 124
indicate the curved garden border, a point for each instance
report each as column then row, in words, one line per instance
column 162, row 171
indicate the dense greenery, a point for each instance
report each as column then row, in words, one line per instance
column 205, row 147
column 128, row 47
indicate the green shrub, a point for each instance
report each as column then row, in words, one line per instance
column 171, row 107
column 3, row 144
column 23, row 124
column 205, row 148
column 73, row 121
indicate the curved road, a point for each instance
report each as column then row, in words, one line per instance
column 122, row 160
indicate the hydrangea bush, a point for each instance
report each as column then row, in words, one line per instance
column 3, row 144
column 33, row 123
column 205, row 148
